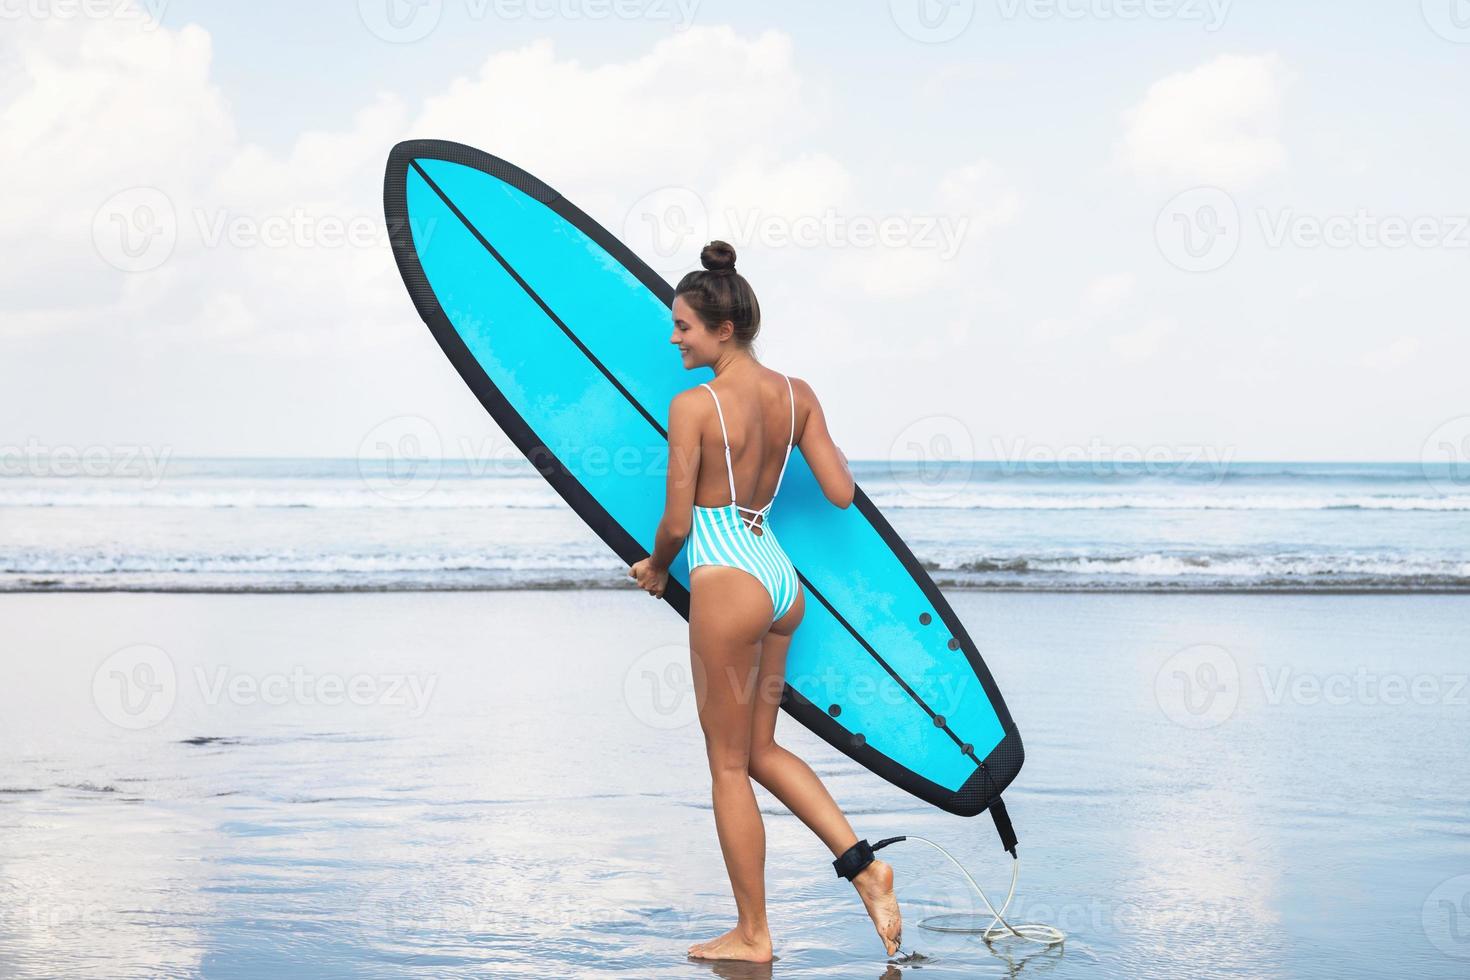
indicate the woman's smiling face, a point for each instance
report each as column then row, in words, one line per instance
column 698, row 345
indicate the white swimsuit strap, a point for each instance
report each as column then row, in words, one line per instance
column 789, row 442
column 724, row 434
column 729, row 467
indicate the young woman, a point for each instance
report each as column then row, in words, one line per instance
column 728, row 446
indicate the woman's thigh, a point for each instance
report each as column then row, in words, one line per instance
column 729, row 614
column 771, row 675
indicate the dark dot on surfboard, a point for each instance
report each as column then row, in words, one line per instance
column 953, row 643
column 858, row 741
column 939, row 721
column 925, row 619
column 968, row 749
column 835, row 710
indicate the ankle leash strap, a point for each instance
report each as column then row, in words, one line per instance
column 859, row 856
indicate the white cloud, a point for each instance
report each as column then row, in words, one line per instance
column 982, row 193
column 1142, row 343
column 1391, row 356
column 937, row 241
column 695, row 98
column 759, row 190
column 1217, row 124
column 94, row 107
column 1102, row 298
column 1105, row 294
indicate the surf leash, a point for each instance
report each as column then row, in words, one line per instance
column 860, row 855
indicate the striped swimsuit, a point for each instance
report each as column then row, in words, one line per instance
column 726, row 536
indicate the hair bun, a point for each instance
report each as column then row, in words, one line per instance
column 718, row 257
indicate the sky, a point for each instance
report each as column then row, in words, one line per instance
column 1019, row 228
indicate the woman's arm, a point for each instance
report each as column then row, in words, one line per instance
column 827, row 462
column 673, row 529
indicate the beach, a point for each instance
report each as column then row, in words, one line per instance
column 513, row 782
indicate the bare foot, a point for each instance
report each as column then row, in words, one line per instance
column 875, row 884
column 737, row 944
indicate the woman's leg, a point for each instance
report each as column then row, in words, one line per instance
column 792, row 781
column 729, row 612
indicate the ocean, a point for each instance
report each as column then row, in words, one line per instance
column 168, row 524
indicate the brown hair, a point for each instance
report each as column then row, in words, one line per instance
column 719, row 293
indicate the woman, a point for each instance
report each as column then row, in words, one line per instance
column 728, row 446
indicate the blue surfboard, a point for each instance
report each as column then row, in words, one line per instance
column 562, row 333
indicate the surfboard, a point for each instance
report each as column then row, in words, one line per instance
column 562, row 334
